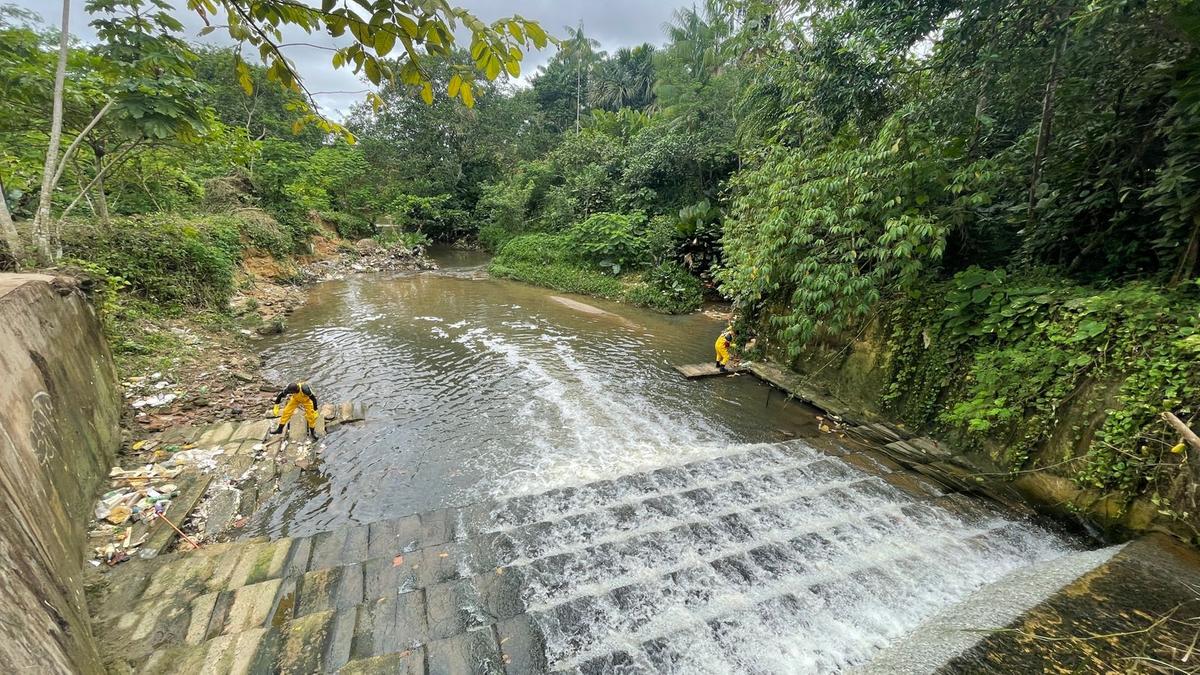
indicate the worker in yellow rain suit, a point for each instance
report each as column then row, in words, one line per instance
column 724, row 347
column 299, row 395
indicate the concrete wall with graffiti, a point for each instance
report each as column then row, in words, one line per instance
column 59, row 417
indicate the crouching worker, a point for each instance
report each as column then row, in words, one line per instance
column 724, row 348
column 299, row 395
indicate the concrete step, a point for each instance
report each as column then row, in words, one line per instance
column 961, row 627
column 273, row 626
column 575, row 577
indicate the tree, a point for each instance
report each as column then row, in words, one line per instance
column 375, row 29
column 580, row 51
column 41, row 221
column 445, row 148
column 269, row 111
column 147, row 93
column 153, row 93
column 625, row 80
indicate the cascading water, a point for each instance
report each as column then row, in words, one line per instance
column 764, row 560
column 654, row 530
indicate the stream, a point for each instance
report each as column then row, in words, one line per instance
column 656, row 530
column 482, row 387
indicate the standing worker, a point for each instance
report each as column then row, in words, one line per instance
column 724, row 347
column 298, row 394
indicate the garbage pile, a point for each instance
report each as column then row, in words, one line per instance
column 151, row 391
column 139, row 496
column 370, row 256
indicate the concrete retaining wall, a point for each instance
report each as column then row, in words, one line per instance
column 59, row 417
column 851, row 372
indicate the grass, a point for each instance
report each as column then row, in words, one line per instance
column 549, row 260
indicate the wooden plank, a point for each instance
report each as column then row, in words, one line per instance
column 698, row 370
column 162, row 534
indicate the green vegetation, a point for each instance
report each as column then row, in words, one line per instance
column 1009, row 190
column 559, row 262
column 990, row 357
column 167, row 261
column 1005, row 192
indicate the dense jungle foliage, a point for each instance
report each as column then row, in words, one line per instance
column 1008, row 189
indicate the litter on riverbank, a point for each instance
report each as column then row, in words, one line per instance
column 201, row 483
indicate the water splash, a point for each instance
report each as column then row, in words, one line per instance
column 764, row 559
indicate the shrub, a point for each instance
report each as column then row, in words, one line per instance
column 662, row 239
column 348, row 226
column 408, row 240
column 295, row 221
column 612, row 241
column 167, row 260
column 562, row 278
column 668, row 288
column 431, row 215
column 256, row 228
column 553, row 260
column 539, row 248
column 549, row 260
column 493, row 237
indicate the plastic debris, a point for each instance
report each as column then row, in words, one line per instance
column 119, row 514
column 156, row 401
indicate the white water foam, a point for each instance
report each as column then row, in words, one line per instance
column 582, row 426
column 762, row 560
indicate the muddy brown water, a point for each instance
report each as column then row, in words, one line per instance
column 687, row 540
column 481, row 387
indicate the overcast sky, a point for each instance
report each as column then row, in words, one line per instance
column 614, row 23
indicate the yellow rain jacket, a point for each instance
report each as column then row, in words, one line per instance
column 299, row 395
column 724, row 345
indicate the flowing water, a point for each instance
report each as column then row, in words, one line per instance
column 655, row 528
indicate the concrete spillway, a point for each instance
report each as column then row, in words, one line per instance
column 770, row 558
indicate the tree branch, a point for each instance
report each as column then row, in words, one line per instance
column 1183, row 429
column 100, row 174
column 62, row 163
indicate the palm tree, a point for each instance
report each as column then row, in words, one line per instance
column 697, row 38
column 581, row 50
column 626, row 80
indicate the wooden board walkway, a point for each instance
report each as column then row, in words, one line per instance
column 696, row 371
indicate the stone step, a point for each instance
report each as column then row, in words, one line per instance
column 593, row 634
column 772, row 517
column 322, row 621
column 657, row 501
column 648, row 604
column 307, row 627
column 195, row 573
column 553, row 504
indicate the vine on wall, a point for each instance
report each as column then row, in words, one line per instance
column 991, row 357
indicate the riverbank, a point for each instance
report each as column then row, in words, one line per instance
column 1079, row 435
column 201, row 365
column 196, row 403
column 559, row 261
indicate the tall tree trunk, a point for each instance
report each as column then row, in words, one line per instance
column 578, row 91
column 101, row 205
column 8, row 230
column 42, row 219
column 1044, row 132
column 1191, row 255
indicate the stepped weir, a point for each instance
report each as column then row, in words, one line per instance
column 769, row 558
